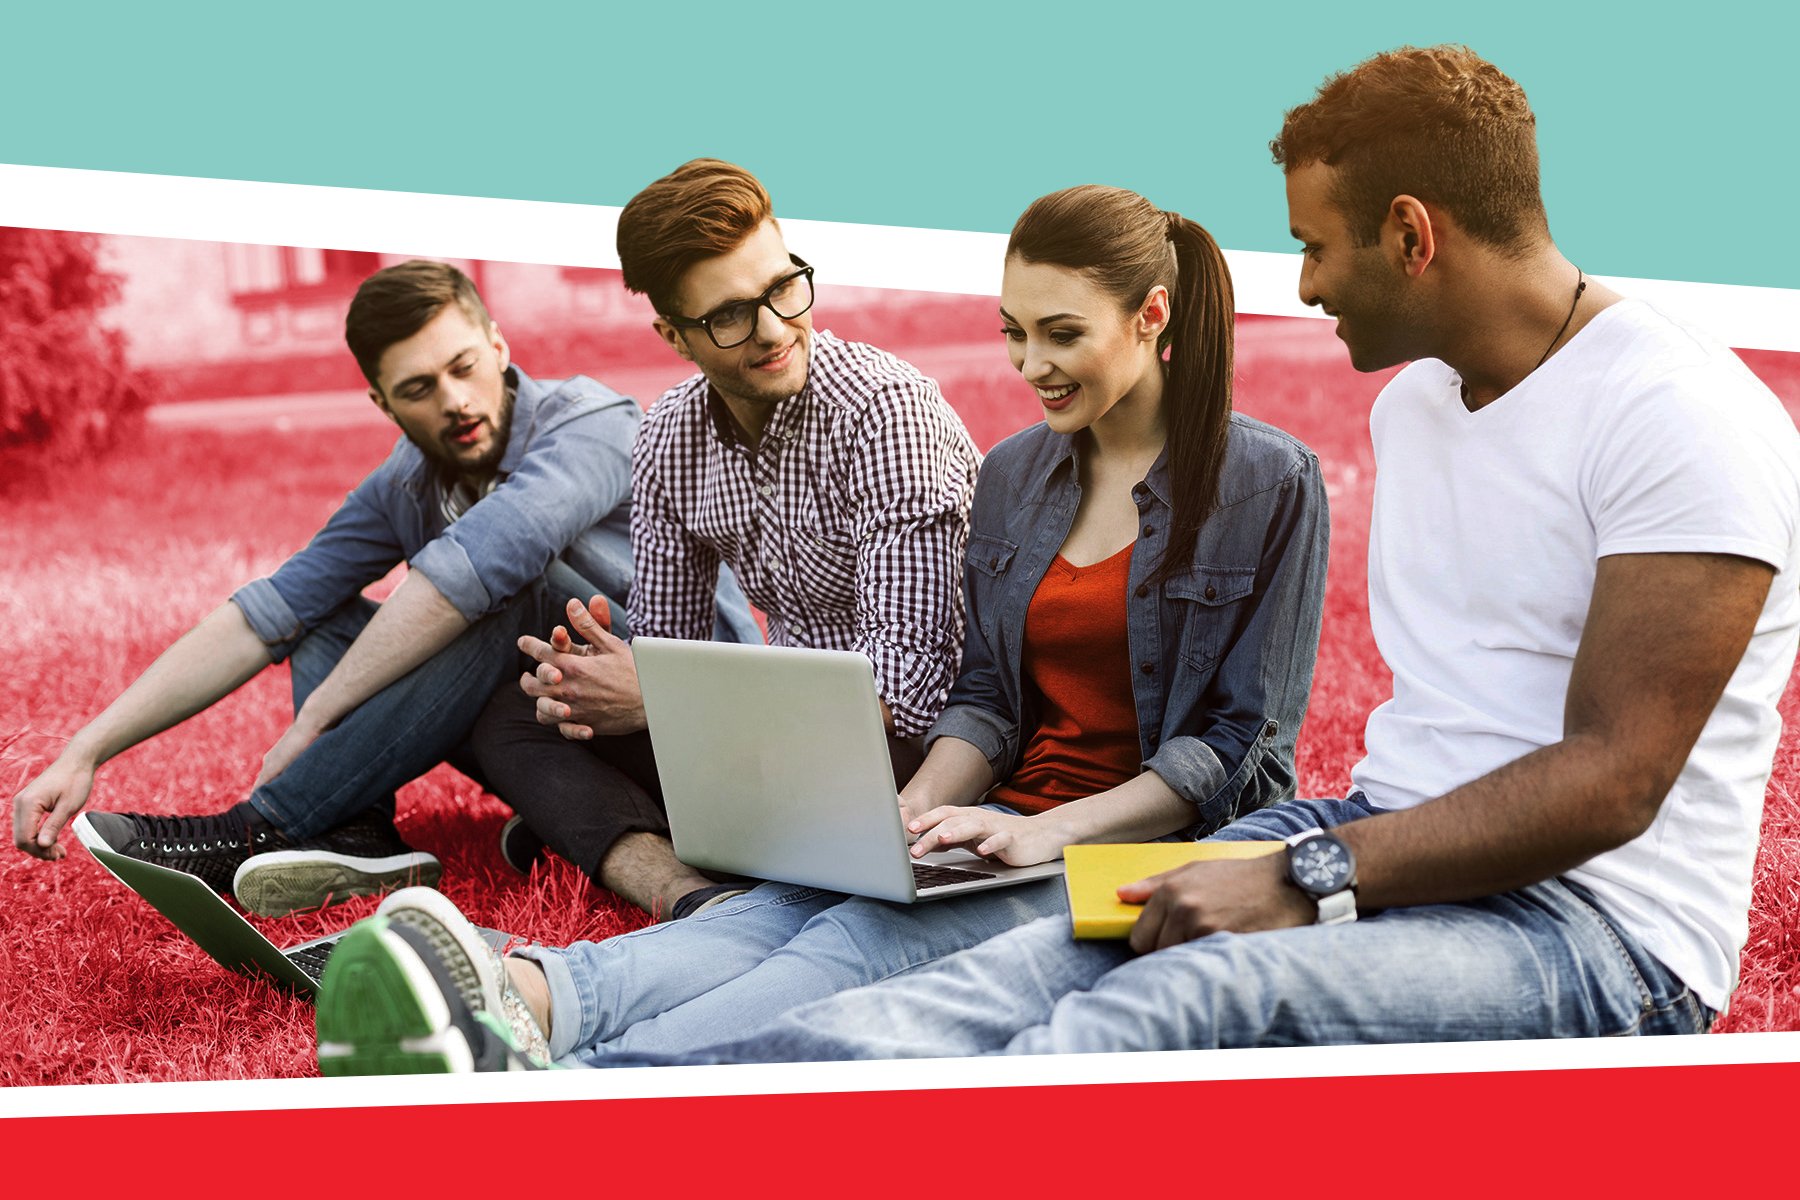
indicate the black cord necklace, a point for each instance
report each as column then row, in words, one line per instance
column 1580, row 287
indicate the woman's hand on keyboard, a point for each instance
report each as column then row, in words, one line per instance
column 1014, row 840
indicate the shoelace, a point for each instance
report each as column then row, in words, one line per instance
column 194, row 835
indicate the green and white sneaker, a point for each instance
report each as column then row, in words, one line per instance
column 415, row 989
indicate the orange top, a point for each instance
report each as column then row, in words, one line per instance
column 1077, row 658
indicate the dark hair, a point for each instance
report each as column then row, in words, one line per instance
column 700, row 210
column 1442, row 124
column 396, row 302
column 1127, row 246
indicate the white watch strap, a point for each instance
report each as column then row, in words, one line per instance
column 1339, row 908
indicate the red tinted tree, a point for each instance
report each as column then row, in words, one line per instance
column 65, row 387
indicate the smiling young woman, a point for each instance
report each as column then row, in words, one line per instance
column 1146, row 567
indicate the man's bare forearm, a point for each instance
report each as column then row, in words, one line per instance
column 1536, row 817
column 1664, row 634
column 410, row 626
column 205, row 664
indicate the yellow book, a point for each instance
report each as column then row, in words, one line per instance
column 1096, row 873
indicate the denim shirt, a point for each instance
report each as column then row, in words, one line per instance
column 1222, row 653
column 564, row 492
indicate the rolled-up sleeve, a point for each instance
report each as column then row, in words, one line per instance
column 357, row 546
column 1235, row 753
column 269, row 614
column 910, row 486
column 576, row 472
column 993, row 735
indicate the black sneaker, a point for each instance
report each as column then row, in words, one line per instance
column 522, row 848
column 211, row 847
column 364, row 856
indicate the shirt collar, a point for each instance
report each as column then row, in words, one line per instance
column 1063, row 452
column 725, row 427
column 527, row 393
column 1157, row 480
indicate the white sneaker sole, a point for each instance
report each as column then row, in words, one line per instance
column 89, row 837
column 460, row 947
column 283, row 882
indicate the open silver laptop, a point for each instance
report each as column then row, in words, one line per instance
column 774, row 764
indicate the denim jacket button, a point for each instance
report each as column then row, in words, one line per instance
column 1212, row 593
column 1149, row 529
column 1143, row 590
column 1269, row 730
column 1148, row 668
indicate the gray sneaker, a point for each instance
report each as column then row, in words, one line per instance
column 416, row 989
column 364, row 856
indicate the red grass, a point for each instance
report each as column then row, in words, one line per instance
column 106, row 567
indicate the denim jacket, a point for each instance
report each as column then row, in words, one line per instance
column 564, row 492
column 1222, row 653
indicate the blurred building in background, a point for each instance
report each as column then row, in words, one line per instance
column 212, row 320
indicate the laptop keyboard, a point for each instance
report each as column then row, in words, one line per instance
column 311, row 959
column 931, row 875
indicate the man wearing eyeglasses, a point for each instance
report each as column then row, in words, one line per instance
column 831, row 477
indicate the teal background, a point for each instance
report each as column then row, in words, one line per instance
column 1666, row 135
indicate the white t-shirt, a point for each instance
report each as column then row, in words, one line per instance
column 1639, row 436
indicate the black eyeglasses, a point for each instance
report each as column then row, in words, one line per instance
column 733, row 324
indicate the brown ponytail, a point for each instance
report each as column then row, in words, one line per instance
column 1197, row 396
column 1128, row 246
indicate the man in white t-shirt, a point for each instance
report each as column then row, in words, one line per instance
column 1582, row 572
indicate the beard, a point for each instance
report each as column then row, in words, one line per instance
column 745, row 385
column 445, row 458
column 1378, row 320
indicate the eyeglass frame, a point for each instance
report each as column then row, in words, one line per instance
column 760, row 302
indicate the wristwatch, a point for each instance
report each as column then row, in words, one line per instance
column 1323, row 867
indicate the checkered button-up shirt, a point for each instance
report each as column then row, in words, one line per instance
column 846, row 523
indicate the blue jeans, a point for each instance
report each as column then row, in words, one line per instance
column 413, row 724
column 672, row 988
column 1539, row 962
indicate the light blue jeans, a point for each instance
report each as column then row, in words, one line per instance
column 1540, row 962
column 723, row 973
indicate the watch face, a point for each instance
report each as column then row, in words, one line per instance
column 1320, row 865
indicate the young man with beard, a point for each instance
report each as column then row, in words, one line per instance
column 831, row 478
column 1582, row 572
column 504, row 494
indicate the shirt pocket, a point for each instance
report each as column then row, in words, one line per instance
column 1206, row 602
column 988, row 558
column 990, row 555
